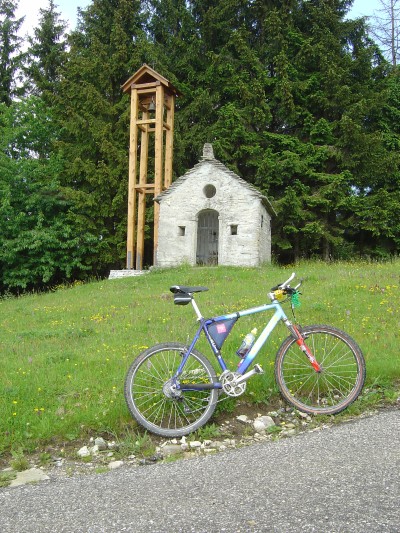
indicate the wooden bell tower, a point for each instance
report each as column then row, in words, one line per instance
column 152, row 113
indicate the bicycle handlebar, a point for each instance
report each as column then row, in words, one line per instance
column 283, row 290
column 283, row 285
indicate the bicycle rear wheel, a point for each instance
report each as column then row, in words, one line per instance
column 152, row 399
column 342, row 373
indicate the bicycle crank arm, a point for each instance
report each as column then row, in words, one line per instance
column 256, row 370
column 209, row 386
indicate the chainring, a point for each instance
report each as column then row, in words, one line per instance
column 229, row 385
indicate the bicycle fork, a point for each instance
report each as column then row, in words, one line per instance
column 303, row 346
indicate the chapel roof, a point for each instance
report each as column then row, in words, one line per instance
column 209, row 159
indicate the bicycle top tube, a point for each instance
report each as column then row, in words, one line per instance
column 244, row 312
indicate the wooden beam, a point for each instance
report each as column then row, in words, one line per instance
column 159, row 160
column 145, row 190
column 144, row 150
column 159, row 138
column 146, row 121
column 140, row 231
column 133, row 137
column 145, row 186
column 141, row 188
column 144, row 88
column 169, row 143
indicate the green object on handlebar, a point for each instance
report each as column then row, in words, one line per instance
column 294, row 299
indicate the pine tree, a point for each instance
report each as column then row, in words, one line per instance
column 11, row 57
column 47, row 52
column 323, row 69
column 375, row 158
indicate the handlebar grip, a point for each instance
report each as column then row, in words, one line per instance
column 288, row 280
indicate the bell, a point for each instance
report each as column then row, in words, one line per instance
column 152, row 105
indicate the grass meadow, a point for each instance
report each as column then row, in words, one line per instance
column 64, row 354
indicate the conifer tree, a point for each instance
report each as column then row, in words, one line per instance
column 11, row 57
column 47, row 52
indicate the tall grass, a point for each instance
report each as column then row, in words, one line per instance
column 64, row 354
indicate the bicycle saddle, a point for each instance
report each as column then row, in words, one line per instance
column 188, row 290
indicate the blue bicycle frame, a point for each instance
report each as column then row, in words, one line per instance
column 248, row 359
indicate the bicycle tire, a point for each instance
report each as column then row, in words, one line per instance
column 147, row 387
column 342, row 373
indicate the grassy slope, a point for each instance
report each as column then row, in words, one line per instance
column 64, row 355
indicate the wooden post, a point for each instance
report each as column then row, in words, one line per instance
column 144, row 154
column 132, row 181
column 158, row 169
column 169, row 140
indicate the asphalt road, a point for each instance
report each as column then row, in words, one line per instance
column 341, row 479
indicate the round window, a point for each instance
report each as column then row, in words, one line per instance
column 209, row 191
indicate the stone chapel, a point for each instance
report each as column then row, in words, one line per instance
column 211, row 216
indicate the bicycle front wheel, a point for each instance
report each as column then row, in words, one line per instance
column 342, row 373
column 156, row 404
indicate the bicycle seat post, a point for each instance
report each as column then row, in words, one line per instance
column 196, row 309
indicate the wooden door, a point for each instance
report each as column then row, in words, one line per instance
column 207, row 238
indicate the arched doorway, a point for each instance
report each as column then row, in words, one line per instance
column 207, row 238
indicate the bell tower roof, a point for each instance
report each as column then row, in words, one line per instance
column 146, row 76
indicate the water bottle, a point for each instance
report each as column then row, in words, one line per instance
column 247, row 343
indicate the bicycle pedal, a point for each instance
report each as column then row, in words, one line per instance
column 258, row 369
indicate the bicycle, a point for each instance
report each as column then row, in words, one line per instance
column 172, row 389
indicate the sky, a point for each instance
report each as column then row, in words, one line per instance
column 68, row 10
column 30, row 9
column 363, row 8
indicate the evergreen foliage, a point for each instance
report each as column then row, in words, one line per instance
column 295, row 97
column 11, row 56
column 47, row 53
